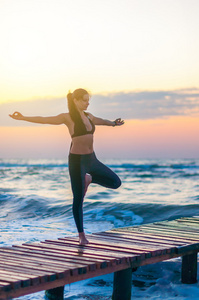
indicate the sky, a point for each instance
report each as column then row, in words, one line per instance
column 137, row 58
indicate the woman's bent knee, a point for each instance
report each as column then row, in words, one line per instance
column 117, row 183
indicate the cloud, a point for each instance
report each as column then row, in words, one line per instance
column 131, row 105
column 148, row 104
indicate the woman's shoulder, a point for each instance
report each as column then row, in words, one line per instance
column 67, row 118
column 66, row 115
column 90, row 115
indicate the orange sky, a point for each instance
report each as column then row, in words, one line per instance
column 52, row 46
column 175, row 137
column 139, row 59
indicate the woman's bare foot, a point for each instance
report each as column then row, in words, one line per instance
column 88, row 180
column 82, row 239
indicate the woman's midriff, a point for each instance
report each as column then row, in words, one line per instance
column 82, row 144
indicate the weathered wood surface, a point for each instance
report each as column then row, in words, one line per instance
column 33, row 267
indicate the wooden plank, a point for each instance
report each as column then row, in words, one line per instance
column 193, row 227
column 13, row 282
column 160, row 232
column 141, row 254
column 189, row 221
column 77, row 256
column 156, row 231
column 189, row 224
column 122, row 257
column 167, row 229
column 140, row 236
column 21, row 256
column 43, row 276
column 196, row 219
column 64, row 251
column 176, row 226
column 36, row 277
column 32, row 247
column 89, row 254
column 107, row 250
column 100, row 261
column 74, row 270
column 159, row 235
column 35, row 272
column 192, row 217
column 61, row 282
column 32, row 263
column 57, row 257
column 176, row 237
column 115, row 250
column 45, row 263
column 128, row 248
column 164, row 227
column 71, row 279
column 16, row 280
column 171, row 225
column 104, row 259
column 45, row 268
column 139, row 240
column 184, row 249
column 31, row 254
column 107, row 254
column 172, row 234
column 32, row 279
column 5, row 287
column 112, row 240
column 153, row 249
column 48, row 253
column 68, row 262
column 182, row 218
column 184, row 242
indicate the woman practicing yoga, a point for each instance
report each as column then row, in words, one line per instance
column 84, row 167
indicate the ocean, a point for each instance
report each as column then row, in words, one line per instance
column 36, row 204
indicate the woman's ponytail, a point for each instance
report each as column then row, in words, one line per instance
column 69, row 96
column 74, row 113
column 71, row 104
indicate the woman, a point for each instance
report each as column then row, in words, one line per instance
column 84, row 167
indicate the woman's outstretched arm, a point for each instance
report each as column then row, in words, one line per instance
column 99, row 121
column 55, row 120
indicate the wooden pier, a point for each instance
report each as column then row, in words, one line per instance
column 51, row 264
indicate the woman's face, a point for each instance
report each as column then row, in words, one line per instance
column 83, row 103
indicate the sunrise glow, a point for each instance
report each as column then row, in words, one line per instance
column 50, row 47
column 162, row 138
column 138, row 58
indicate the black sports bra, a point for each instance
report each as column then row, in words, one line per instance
column 80, row 130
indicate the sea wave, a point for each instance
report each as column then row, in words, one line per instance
column 18, row 170
column 115, row 213
column 52, row 163
column 36, row 204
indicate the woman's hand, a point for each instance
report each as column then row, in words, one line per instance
column 118, row 122
column 17, row 116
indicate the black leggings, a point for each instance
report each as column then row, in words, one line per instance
column 79, row 165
